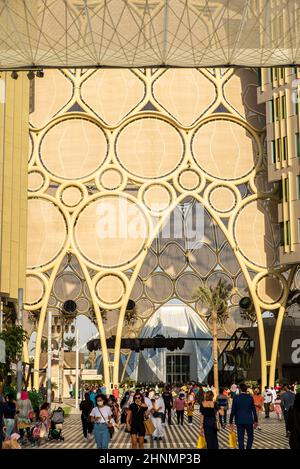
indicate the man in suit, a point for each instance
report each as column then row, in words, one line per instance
column 244, row 412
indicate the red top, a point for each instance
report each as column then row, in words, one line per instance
column 179, row 404
column 116, row 393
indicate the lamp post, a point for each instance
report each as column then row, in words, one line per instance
column 77, row 369
column 49, row 356
column 20, row 322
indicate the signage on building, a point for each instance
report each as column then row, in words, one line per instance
column 2, row 351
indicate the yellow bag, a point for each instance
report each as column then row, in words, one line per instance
column 201, row 442
column 232, row 440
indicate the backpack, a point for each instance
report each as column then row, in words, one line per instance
column 167, row 399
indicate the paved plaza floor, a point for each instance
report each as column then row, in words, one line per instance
column 271, row 435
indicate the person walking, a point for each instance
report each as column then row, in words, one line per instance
column 179, row 406
column 116, row 392
column 259, row 405
column 208, row 421
column 287, row 401
column 168, row 400
column 157, row 413
column 190, row 403
column 24, row 413
column 222, row 404
column 244, row 413
column 268, row 398
column 9, row 413
column 86, row 406
column 136, row 414
column 101, row 416
column 293, row 423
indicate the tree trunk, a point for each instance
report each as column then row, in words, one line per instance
column 215, row 351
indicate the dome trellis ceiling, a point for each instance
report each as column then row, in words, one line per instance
column 140, row 33
column 68, row 215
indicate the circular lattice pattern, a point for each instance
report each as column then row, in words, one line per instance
column 110, row 289
column 189, row 180
column 111, row 179
column 52, row 301
column 269, row 289
column 224, row 149
column 46, row 232
column 73, row 149
column 35, row 289
column 215, row 277
column 186, row 287
column 72, row 196
column 252, row 219
column 222, row 199
column 111, row 231
column 159, row 287
column 36, row 180
column 149, row 148
column 67, row 286
column 83, row 305
column 137, row 289
column 156, row 197
column 144, row 308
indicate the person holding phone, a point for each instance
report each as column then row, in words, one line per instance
column 101, row 416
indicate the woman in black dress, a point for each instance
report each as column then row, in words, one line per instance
column 136, row 414
column 208, row 421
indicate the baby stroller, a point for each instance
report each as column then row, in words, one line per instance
column 57, row 420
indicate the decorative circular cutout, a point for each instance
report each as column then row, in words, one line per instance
column 149, row 148
column 73, row 149
column 137, row 289
column 46, row 232
column 67, row 286
column 144, row 308
column 186, row 287
column 110, row 289
column 222, row 199
column 189, row 180
column 52, row 301
column 269, row 289
column 36, row 181
column 111, row 179
column 156, row 198
column 71, row 196
column 224, row 149
column 83, row 305
column 35, row 290
column 111, row 231
column 159, row 287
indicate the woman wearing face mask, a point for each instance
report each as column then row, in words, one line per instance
column 135, row 420
column 179, row 405
column 101, row 415
column 158, row 412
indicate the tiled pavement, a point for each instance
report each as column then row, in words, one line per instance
column 271, row 436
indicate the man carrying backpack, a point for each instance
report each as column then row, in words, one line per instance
column 168, row 400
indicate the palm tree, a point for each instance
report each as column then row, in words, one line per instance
column 70, row 342
column 216, row 300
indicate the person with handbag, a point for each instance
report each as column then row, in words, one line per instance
column 136, row 414
column 86, row 407
column 9, row 414
column 209, row 421
column 101, row 416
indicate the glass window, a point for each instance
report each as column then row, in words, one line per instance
column 281, row 233
column 298, row 230
column 286, row 189
column 273, row 151
column 298, row 187
column 277, row 111
column 283, row 107
column 280, row 191
column 288, row 232
column 285, row 148
column 278, row 149
column 297, row 144
column 295, row 102
column 178, row 368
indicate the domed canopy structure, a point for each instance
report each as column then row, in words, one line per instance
column 140, row 33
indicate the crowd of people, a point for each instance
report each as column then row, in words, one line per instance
column 144, row 412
